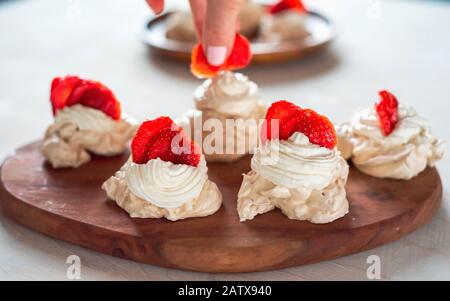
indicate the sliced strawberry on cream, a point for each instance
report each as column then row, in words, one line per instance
column 297, row 168
column 389, row 140
column 292, row 118
column 162, row 138
column 166, row 176
column 71, row 90
column 87, row 120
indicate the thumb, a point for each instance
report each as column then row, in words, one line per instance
column 220, row 29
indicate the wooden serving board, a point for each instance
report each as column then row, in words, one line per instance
column 68, row 204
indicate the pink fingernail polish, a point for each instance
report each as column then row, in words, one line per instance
column 216, row 55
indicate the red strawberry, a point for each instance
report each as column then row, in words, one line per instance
column 161, row 138
column 95, row 95
column 292, row 118
column 145, row 134
column 287, row 5
column 317, row 128
column 282, row 111
column 386, row 109
column 61, row 89
column 71, row 90
column 239, row 57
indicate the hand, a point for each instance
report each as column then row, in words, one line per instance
column 216, row 22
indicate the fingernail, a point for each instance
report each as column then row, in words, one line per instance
column 216, row 55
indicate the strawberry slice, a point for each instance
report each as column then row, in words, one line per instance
column 287, row 5
column 61, row 89
column 95, row 95
column 317, row 128
column 156, row 139
column 292, row 118
column 71, row 90
column 239, row 57
column 387, row 111
column 282, row 111
column 145, row 134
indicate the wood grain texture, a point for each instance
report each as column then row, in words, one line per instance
column 152, row 32
column 68, row 204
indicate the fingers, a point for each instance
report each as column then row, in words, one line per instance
column 156, row 5
column 198, row 8
column 220, row 29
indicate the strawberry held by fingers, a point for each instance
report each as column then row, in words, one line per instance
column 239, row 58
column 284, row 5
column 292, row 118
column 70, row 90
column 162, row 138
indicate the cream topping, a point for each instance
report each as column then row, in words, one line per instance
column 165, row 184
column 85, row 118
column 206, row 203
column 296, row 162
column 228, row 93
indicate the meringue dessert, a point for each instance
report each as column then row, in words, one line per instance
column 165, row 177
column 297, row 169
column 87, row 120
column 229, row 96
column 389, row 140
column 285, row 21
column 181, row 27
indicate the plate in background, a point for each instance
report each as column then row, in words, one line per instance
column 152, row 32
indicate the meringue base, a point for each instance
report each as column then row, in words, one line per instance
column 67, row 146
column 258, row 195
column 207, row 203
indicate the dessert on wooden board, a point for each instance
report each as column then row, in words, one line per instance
column 166, row 176
column 297, row 169
column 87, row 120
column 389, row 140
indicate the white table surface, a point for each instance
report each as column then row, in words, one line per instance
column 399, row 45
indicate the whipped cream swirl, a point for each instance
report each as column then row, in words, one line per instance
column 228, row 93
column 165, row 184
column 85, row 118
column 296, row 163
column 401, row 155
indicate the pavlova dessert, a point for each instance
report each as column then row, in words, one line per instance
column 227, row 96
column 297, row 169
column 389, row 140
column 166, row 176
column 285, row 20
column 87, row 120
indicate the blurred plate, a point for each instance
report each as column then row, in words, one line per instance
column 152, row 32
